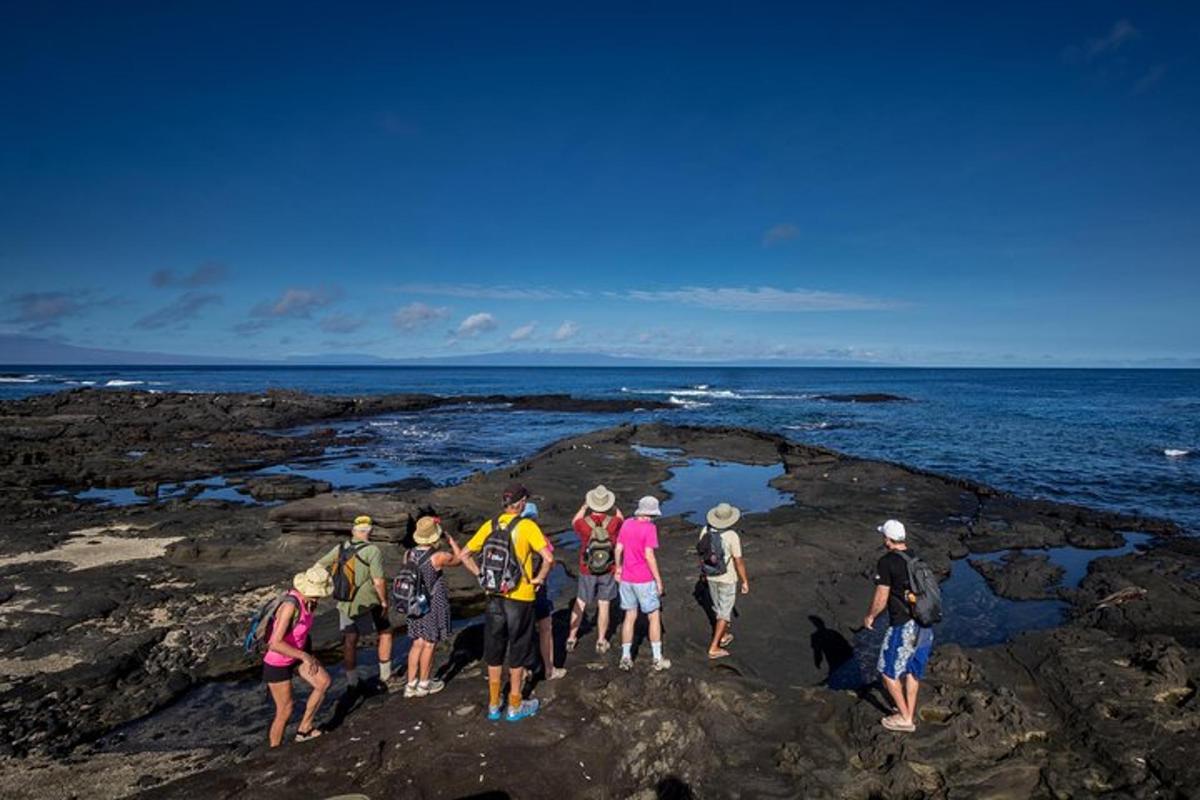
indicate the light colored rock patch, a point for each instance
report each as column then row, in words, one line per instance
column 23, row 668
column 94, row 547
column 106, row 776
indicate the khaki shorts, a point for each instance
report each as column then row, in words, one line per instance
column 723, row 597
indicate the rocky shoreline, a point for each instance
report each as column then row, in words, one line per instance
column 110, row 614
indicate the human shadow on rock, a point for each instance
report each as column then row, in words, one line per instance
column 829, row 647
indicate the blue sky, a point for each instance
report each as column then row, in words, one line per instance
column 903, row 183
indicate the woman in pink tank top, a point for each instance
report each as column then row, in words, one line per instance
column 287, row 654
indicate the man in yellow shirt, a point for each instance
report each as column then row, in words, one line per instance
column 507, row 574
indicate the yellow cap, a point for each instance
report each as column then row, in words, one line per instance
column 363, row 520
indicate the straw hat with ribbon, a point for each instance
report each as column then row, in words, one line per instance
column 313, row 582
column 429, row 531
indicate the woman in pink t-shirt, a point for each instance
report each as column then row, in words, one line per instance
column 641, row 583
column 287, row 654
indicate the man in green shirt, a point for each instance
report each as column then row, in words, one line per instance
column 366, row 611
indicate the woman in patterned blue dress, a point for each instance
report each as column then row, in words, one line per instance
column 433, row 627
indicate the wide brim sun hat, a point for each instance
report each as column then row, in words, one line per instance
column 723, row 516
column 428, row 531
column 648, row 507
column 313, row 582
column 600, row 499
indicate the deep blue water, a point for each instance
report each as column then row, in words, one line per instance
column 1096, row 437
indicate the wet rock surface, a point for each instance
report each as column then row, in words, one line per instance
column 1021, row 576
column 94, row 636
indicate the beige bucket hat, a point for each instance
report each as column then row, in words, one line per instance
column 313, row 582
column 600, row 499
column 429, row 530
column 723, row 516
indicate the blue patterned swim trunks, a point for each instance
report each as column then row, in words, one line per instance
column 905, row 650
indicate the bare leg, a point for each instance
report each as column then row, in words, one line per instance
column 911, row 686
column 414, row 661
column 349, row 648
column 655, row 626
column 426, row 659
column 546, row 644
column 897, row 694
column 602, row 620
column 385, row 650
column 281, row 693
column 319, row 679
column 577, row 612
column 718, row 632
column 627, row 626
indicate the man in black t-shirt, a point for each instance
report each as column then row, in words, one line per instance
column 906, row 644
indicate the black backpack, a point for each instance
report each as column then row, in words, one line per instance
column 924, row 596
column 598, row 555
column 711, row 550
column 499, row 570
column 410, row 595
column 343, row 571
column 263, row 622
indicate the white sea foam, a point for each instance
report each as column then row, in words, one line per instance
column 1171, row 452
column 708, row 393
column 679, row 401
column 24, row 379
column 809, row 426
column 119, row 382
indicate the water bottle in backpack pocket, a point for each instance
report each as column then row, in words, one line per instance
column 410, row 595
column 925, row 596
column 263, row 621
column 499, row 570
column 711, row 550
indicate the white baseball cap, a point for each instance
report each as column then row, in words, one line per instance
column 893, row 529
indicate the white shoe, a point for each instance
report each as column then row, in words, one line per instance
column 414, row 690
column 626, row 664
column 662, row 664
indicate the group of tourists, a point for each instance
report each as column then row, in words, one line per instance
column 512, row 558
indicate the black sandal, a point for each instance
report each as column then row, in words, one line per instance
column 311, row 733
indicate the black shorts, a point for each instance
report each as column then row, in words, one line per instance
column 542, row 605
column 368, row 621
column 274, row 674
column 508, row 627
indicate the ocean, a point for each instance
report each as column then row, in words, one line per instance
column 1125, row 440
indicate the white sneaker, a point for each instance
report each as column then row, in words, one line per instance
column 661, row 664
column 414, row 690
column 431, row 686
column 626, row 664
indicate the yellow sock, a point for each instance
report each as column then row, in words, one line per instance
column 493, row 693
column 514, row 700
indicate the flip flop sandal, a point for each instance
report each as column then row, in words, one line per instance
column 727, row 640
column 304, row 736
column 898, row 726
column 719, row 654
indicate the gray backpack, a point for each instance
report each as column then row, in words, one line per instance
column 925, row 597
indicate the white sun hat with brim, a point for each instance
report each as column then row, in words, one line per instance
column 600, row 499
column 648, row 507
column 313, row 582
column 723, row 516
column 893, row 529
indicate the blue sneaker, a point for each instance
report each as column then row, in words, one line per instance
column 526, row 709
column 494, row 713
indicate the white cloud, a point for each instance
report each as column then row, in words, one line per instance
column 297, row 302
column 522, row 333
column 763, row 298
column 415, row 315
column 1122, row 33
column 780, row 233
column 565, row 331
column 474, row 325
column 475, row 291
